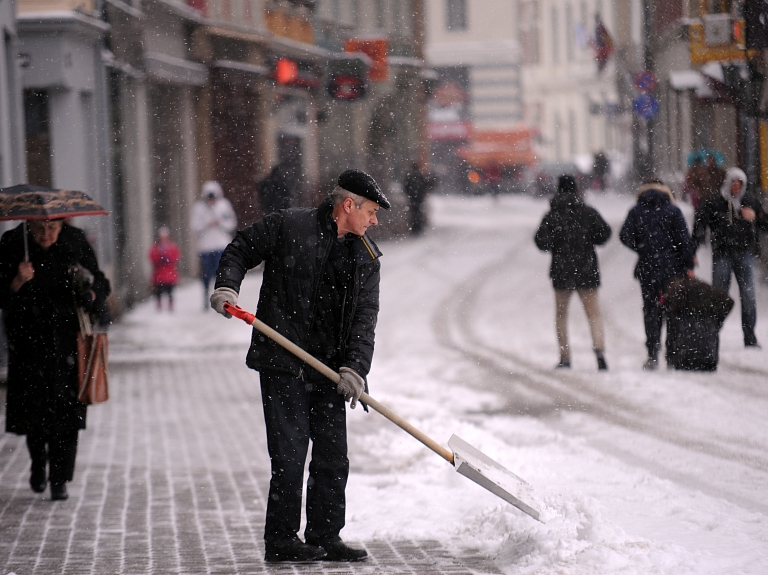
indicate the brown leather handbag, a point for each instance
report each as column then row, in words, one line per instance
column 92, row 356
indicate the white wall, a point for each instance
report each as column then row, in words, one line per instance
column 561, row 89
column 488, row 47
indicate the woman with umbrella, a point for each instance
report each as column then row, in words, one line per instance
column 47, row 270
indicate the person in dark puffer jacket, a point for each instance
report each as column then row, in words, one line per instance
column 735, row 217
column 571, row 230
column 321, row 291
column 656, row 229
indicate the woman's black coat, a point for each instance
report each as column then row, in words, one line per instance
column 41, row 325
column 571, row 230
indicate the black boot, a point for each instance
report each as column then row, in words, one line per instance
column 294, row 552
column 339, row 551
column 39, row 456
column 59, row 491
column 37, row 479
column 601, row 364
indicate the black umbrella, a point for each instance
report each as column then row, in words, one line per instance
column 27, row 202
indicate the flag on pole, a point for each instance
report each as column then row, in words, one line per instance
column 602, row 44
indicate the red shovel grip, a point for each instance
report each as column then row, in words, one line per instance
column 239, row 313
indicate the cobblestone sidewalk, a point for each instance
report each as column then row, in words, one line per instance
column 171, row 478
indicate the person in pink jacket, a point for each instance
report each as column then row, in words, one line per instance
column 164, row 255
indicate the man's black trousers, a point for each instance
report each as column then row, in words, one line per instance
column 297, row 411
column 653, row 317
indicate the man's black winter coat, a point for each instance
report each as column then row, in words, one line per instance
column 294, row 245
column 571, row 230
column 656, row 230
column 729, row 235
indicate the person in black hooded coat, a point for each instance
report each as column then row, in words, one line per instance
column 571, row 230
column 656, row 229
column 39, row 299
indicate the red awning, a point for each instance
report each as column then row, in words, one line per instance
column 508, row 148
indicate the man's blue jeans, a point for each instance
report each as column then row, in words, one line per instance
column 742, row 266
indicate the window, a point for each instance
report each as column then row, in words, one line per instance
column 555, row 38
column 380, row 21
column 528, row 19
column 570, row 45
column 456, row 12
column 38, row 140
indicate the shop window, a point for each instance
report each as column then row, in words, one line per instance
column 555, row 37
column 528, row 19
column 456, row 12
column 38, row 139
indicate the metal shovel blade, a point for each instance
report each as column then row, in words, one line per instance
column 496, row 478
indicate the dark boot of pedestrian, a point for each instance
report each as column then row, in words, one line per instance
column 37, row 479
column 337, row 550
column 294, row 552
column 564, row 364
column 750, row 340
column 39, row 455
column 59, row 491
column 601, row 364
column 651, row 364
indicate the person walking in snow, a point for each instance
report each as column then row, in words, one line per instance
column 734, row 216
column 213, row 222
column 656, row 229
column 416, row 186
column 164, row 255
column 40, row 295
column 321, row 291
column 571, row 230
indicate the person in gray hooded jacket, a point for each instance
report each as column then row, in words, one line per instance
column 734, row 218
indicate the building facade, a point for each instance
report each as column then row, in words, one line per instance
column 576, row 103
column 138, row 103
column 473, row 47
column 12, row 156
column 709, row 88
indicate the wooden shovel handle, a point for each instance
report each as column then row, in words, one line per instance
column 315, row 363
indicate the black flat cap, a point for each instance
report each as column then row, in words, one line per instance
column 360, row 183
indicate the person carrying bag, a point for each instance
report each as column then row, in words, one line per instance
column 40, row 298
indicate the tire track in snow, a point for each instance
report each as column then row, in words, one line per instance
column 562, row 391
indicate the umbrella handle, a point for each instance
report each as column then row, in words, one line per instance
column 315, row 363
column 26, row 242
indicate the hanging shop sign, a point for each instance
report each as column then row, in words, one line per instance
column 347, row 79
column 377, row 50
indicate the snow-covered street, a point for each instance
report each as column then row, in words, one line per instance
column 638, row 472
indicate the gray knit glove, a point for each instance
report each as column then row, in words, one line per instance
column 223, row 295
column 351, row 385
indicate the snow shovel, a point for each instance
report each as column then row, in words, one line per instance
column 467, row 460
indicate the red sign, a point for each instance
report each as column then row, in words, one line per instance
column 376, row 49
column 199, row 5
column 645, row 81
